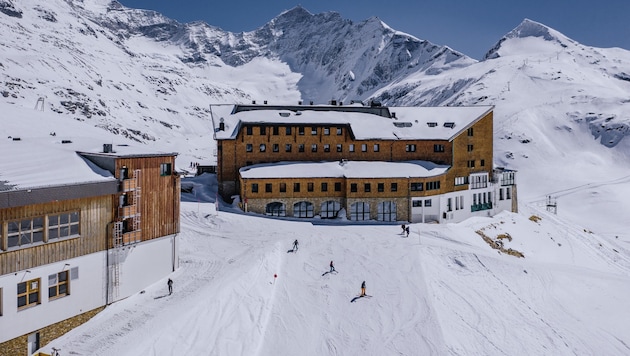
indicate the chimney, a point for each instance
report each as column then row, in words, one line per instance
column 253, row 102
column 393, row 115
column 300, row 102
column 221, row 125
column 107, row 148
column 333, row 102
column 311, row 102
column 265, row 102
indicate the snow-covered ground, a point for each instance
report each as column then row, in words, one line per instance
column 440, row 291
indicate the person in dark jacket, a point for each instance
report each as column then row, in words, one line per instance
column 407, row 231
column 170, row 286
column 332, row 267
column 295, row 245
column 363, row 289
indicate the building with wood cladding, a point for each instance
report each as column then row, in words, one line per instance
column 413, row 164
column 81, row 226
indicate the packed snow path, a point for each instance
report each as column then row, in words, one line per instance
column 440, row 291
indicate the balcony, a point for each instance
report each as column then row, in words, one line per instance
column 480, row 207
column 132, row 237
column 128, row 185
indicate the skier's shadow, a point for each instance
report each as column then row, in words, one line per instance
column 355, row 298
column 291, row 251
column 325, row 273
column 161, row 296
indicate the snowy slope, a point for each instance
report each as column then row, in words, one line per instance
column 442, row 291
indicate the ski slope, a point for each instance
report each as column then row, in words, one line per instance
column 440, row 291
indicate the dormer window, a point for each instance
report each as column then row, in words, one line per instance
column 449, row 125
column 432, row 124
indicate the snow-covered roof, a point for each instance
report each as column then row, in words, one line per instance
column 406, row 123
column 347, row 169
column 42, row 162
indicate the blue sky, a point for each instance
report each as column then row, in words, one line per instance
column 471, row 27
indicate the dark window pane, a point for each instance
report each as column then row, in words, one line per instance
column 74, row 217
column 74, row 229
column 21, row 301
column 53, row 233
column 14, row 226
column 63, row 289
column 38, row 236
column 38, row 222
column 52, row 291
column 21, row 288
column 63, row 218
column 12, row 241
column 33, row 297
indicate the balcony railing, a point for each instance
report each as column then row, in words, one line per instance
column 479, row 207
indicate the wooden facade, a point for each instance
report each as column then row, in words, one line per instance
column 95, row 215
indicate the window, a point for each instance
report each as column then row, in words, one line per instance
column 337, row 186
column 313, row 130
column 268, row 188
column 326, row 148
column 63, row 225
column 28, row 293
column 301, row 147
column 248, row 129
column 470, row 148
column 461, row 180
column 329, row 209
column 283, row 187
column 313, row 148
column 351, row 147
column 507, row 193
column 427, row 202
column 287, row 131
column 301, row 130
column 438, row 148
column 254, row 187
column 263, row 147
column 410, row 148
column 249, row 147
column 416, row 187
column 310, row 186
column 326, row 130
column 287, row 147
column 296, row 187
column 367, row 187
column 25, row 232
column 386, row 211
column 394, row 187
column 470, row 131
column 364, row 147
column 324, row 187
column 416, row 203
column 461, row 202
column 470, row 164
column 449, row 204
column 276, row 130
column 482, row 163
column 275, row 209
column 376, row 147
column 339, row 131
column 276, row 147
column 165, row 169
column 353, row 187
column 263, row 130
column 433, row 185
column 303, row 209
column 360, row 211
column 58, row 285
column 380, row 187
column 501, row 194
column 339, row 147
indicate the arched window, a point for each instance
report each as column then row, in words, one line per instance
column 330, row 209
column 386, row 211
column 303, row 209
column 360, row 211
column 276, row 209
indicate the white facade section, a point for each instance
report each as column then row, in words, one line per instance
column 89, row 288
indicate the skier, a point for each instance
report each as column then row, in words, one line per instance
column 170, row 286
column 363, row 289
column 295, row 245
column 403, row 228
column 407, row 231
column 332, row 267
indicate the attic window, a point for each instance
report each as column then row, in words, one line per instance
column 432, row 124
column 284, row 114
column 402, row 124
column 449, row 125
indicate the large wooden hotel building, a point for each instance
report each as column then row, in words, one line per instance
column 358, row 162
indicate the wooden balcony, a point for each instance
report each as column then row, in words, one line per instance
column 128, row 185
column 132, row 237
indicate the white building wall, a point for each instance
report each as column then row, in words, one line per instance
column 87, row 292
column 145, row 263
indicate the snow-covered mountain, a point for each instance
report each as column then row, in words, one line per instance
column 562, row 108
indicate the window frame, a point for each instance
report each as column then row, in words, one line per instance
column 58, row 284
column 29, row 290
column 166, row 169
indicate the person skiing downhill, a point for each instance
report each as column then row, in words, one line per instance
column 363, row 289
column 332, row 267
column 407, row 231
column 170, row 286
column 295, row 245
